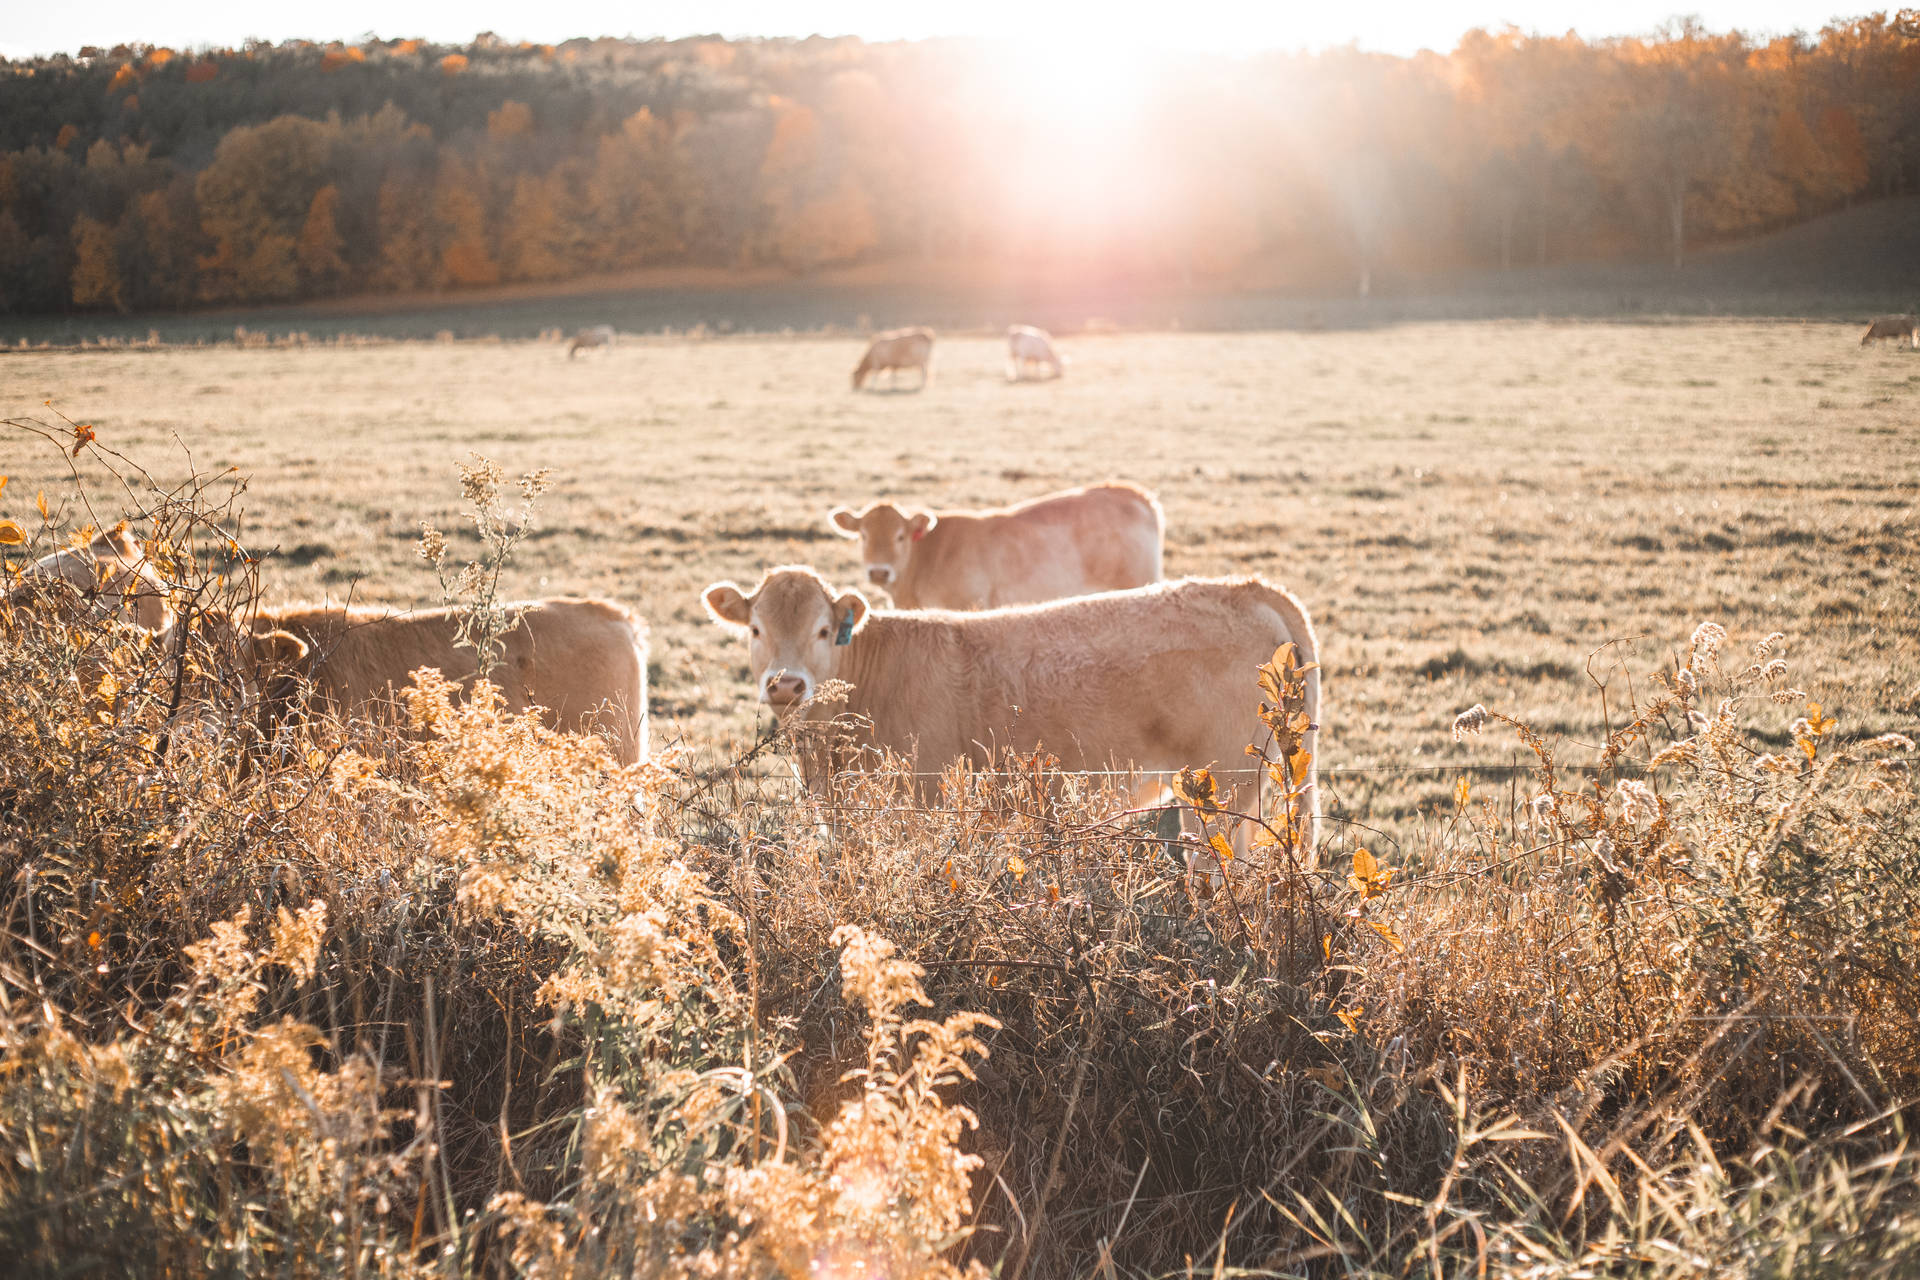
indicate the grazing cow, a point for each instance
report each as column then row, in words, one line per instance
column 1100, row 538
column 1154, row 679
column 600, row 335
column 110, row 577
column 583, row 661
column 1899, row 328
column 893, row 350
column 1027, row 347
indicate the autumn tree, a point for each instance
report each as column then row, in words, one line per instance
column 254, row 200
column 318, row 248
column 459, row 212
column 96, row 267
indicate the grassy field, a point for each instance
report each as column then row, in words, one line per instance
column 1660, row 1026
column 1470, row 511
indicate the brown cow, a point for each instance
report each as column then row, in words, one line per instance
column 600, row 335
column 583, row 661
column 1101, row 538
column 1899, row 328
column 110, row 577
column 1154, row 679
column 894, row 350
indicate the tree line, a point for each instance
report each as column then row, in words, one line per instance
column 142, row 178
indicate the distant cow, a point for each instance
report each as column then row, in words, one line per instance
column 110, row 577
column 1100, row 538
column 1028, row 347
column 600, row 335
column 1154, row 679
column 894, row 350
column 1899, row 328
column 583, row 661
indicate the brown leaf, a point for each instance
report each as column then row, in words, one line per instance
column 11, row 534
column 1386, row 932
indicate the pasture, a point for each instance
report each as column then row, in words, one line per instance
column 1470, row 511
column 1658, row 1023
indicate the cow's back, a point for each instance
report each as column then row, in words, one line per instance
column 1102, row 538
column 583, row 660
column 1159, row 677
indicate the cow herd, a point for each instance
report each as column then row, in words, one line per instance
column 1043, row 627
column 1030, row 354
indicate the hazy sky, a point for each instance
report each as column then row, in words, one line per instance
column 1396, row 26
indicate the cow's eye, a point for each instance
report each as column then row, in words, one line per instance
column 753, row 630
column 823, row 633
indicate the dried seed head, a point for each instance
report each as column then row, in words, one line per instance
column 1472, row 720
column 433, row 544
column 1637, row 801
column 1765, row 646
column 1706, row 639
column 1775, row 669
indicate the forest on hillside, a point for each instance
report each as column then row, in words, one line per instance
column 141, row 179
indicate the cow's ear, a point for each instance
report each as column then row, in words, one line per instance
column 919, row 523
column 845, row 522
column 850, row 613
column 727, row 605
column 278, row 649
column 117, row 541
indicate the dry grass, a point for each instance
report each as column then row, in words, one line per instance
column 1655, row 1022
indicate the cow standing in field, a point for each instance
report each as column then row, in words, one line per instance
column 1028, row 347
column 1153, row 680
column 894, row 350
column 582, row 661
column 1899, row 328
column 110, row 577
column 1101, row 538
column 600, row 335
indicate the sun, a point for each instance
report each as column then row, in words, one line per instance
column 1074, row 80
column 1068, row 126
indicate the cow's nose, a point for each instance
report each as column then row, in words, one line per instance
column 880, row 573
column 785, row 690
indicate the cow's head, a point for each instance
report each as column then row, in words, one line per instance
column 887, row 537
column 797, row 630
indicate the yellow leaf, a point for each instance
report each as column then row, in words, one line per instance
column 1365, row 865
column 82, row 437
column 316, row 759
column 1053, row 893
column 1283, row 656
column 1221, row 846
column 1461, row 793
column 11, row 534
column 1195, row 786
column 1301, row 722
column 1386, row 932
column 1300, row 760
column 107, row 687
column 3, row 484
column 1351, row 1017
column 1018, row 866
column 1326, row 947
column 93, row 940
column 1806, row 745
column 41, row 502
